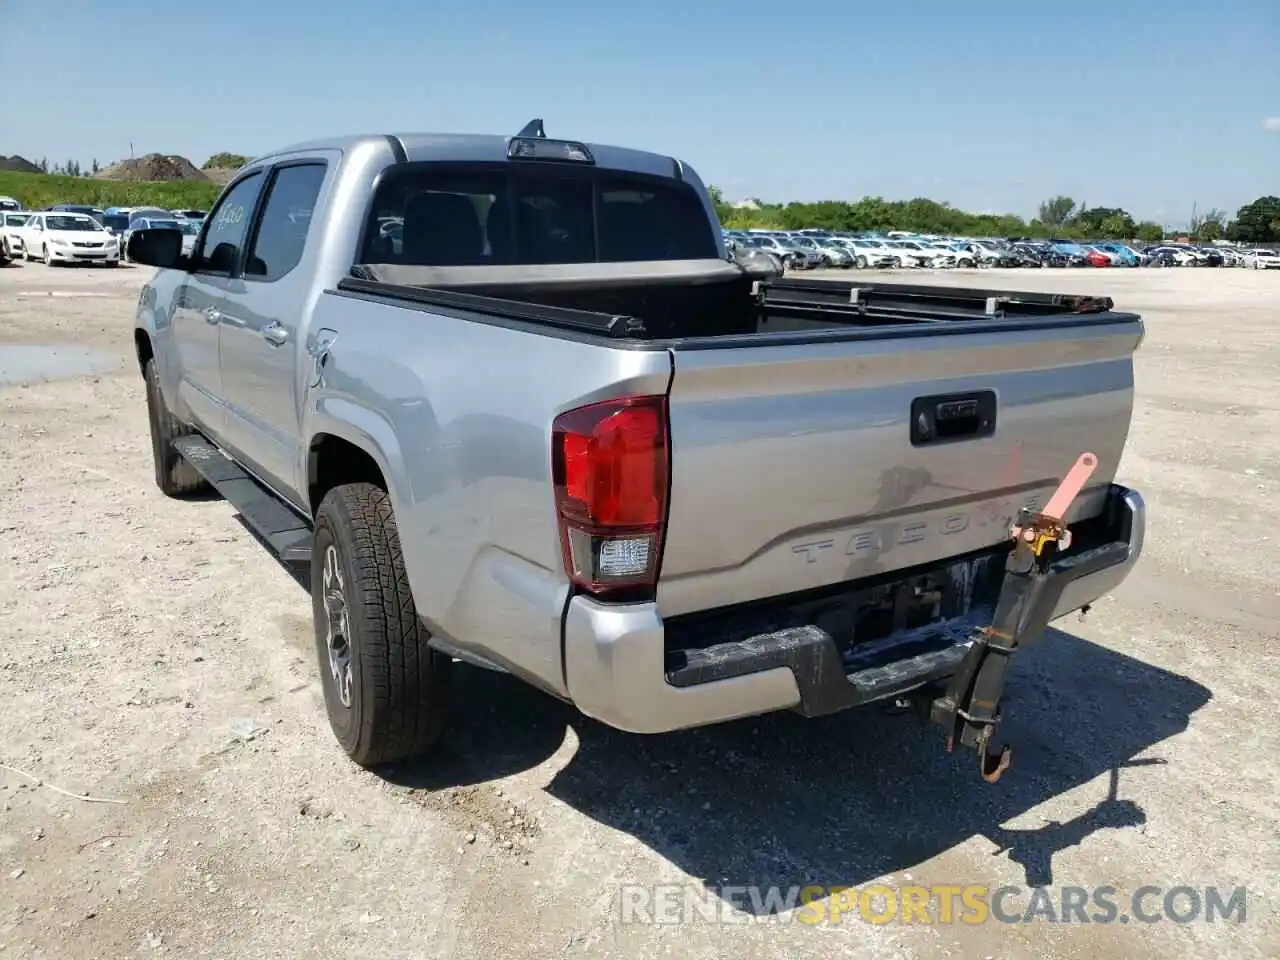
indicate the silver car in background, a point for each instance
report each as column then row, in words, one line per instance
column 785, row 249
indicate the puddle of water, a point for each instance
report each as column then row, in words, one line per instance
column 21, row 363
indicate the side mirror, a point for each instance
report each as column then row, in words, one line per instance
column 155, row 248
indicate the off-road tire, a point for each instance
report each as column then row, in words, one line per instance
column 174, row 475
column 398, row 686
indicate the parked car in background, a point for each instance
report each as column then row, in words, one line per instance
column 157, row 213
column 189, row 214
column 9, row 204
column 65, row 238
column 829, row 254
column 1169, row 255
column 1262, row 258
column 1029, row 255
column 1121, row 255
column 116, row 224
column 84, row 208
column 912, row 253
column 869, row 253
column 187, row 228
column 761, row 264
column 992, row 254
column 794, row 256
column 12, row 247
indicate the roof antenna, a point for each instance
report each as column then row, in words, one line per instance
column 533, row 129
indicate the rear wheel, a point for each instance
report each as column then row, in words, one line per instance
column 174, row 475
column 48, row 260
column 384, row 687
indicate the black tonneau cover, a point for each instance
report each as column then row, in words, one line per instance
column 712, row 299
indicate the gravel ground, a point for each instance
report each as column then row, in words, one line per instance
column 155, row 655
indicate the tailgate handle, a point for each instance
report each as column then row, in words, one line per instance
column 953, row 416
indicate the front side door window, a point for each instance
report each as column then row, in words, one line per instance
column 218, row 251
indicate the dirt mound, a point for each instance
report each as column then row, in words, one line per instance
column 153, row 167
column 17, row 164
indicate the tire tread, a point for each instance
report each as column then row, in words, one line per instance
column 401, row 678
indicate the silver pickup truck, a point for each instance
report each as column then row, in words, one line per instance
column 513, row 404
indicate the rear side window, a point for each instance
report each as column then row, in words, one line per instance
column 433, row 215
column 282, row 233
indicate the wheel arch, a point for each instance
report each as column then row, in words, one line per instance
column 143, row 347
column 334, row 460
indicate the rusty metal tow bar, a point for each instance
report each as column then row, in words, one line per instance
column 970, row 709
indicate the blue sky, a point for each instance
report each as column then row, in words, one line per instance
column 991, row 105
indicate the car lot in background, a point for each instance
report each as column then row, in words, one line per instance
column 903, row 250
column 140, row 671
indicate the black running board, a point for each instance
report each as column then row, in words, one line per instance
column 281, row 528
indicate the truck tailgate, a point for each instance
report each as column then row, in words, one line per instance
column 795, row 465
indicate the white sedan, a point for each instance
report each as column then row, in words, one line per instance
column 62, row 238
column 11, row 245
column 869, row 253
column 1262, row 259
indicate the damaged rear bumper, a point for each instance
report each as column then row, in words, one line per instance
column 621, row 667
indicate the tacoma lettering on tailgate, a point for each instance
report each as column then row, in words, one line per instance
column 883, row 538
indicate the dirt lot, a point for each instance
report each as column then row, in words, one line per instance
column 145, row 638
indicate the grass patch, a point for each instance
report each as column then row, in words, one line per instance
column 38, row 190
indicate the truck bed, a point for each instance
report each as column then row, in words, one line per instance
column 688, row 300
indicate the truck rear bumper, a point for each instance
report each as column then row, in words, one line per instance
column 619, row 671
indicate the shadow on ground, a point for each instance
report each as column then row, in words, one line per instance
column 786, row 801
column 781, row 800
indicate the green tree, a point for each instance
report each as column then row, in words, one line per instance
column 225, row 161
column 1210, row 230
column 95, row 168
column 1109, row 223
column 1056, row 212
column 1257, row 222
column 1208, row 226
column 1149, row 232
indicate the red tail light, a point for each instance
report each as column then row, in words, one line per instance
column 610, row 464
